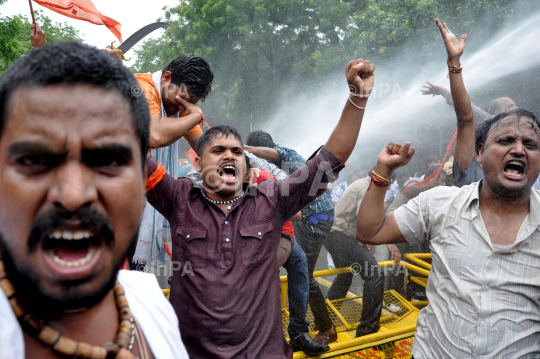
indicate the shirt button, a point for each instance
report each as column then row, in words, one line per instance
column 226, row 222
column 259, row 233
column 487, row 287
column 227, row 239
column 187, row 236
column 483, row 323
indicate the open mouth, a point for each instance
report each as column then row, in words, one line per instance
column 515, row 169
column 71, row 249
column 228, row 173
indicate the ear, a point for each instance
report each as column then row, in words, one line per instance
column 480, row 155
column 198, row 164
column 166, row 78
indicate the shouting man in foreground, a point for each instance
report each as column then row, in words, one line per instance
column 484, row 286
column 229, row 232
column 73, row 144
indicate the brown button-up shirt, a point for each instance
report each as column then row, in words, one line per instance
column 230, row 306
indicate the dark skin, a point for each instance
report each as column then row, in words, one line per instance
column 504, row 199
column 167, row 130
column 71, row 154
column 222, row 151
column 465, row 141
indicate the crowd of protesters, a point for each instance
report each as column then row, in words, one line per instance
column 90, row 183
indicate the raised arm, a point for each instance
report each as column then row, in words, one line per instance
column 167, row 130
column 265, row 165
column 434, row 90
column 160, row 187
column 373, row 226
column 37, row 37
column 465, row 141
column 266, row 153
column 360, row 76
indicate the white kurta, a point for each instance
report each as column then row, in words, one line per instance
column 154, row 227
column 153, row 312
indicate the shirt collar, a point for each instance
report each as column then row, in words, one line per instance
column 474, row 194
column 534, row 210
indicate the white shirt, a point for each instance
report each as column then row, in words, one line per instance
column 392, row 192
column 148, row 305
column 483, row 303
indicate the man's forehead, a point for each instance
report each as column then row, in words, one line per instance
column 221, row 139
column 42, row 104
column 54, row 116
column 514, row 124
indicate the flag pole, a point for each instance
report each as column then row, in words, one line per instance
column 32, row 12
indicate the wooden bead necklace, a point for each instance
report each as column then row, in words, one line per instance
column 68, row 347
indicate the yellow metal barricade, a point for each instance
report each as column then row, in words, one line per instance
column 398, row 319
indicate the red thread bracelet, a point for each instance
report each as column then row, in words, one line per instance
column 378, row 180
column 202, row 116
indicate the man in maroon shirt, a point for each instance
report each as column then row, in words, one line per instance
column 229, row 232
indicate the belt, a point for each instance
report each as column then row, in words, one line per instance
column 315, row 218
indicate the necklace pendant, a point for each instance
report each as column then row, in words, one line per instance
column 229, row 207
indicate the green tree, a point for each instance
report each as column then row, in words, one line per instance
column 258, row 48
column 15, row 35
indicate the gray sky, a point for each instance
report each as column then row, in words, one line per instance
column 132, row 14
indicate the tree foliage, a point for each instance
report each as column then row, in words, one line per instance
column 257, row 47
column 15, row 35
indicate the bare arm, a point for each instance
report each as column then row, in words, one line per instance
column 373, row 226
column 297, row 217
column 192, row 140
column 167, row 130
column 465, row 141
column 360, row 76
column 265, row 165
column 263, row 152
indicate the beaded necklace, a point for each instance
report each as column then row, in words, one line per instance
column 68, row 347
column 225, row 202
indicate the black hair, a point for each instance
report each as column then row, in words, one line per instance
column 482, row 131
column 74, row 63
column 193, row 72
column 248, row 162
column 213, row 132
column 260, row 139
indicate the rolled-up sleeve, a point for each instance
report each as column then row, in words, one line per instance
column 160, row 187
column 307, row 183
column 412, row 219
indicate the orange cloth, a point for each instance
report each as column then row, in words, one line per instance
column 82, row 10
column 155, row 177
column 154, row 99
column 191, row 154
column 436, row 173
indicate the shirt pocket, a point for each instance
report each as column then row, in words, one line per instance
column 194, row 244
column 256, row 243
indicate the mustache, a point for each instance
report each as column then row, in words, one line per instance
column 88, row 218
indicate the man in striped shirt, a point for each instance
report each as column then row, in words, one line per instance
column 484, row 286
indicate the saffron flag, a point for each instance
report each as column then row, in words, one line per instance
column 82, row 10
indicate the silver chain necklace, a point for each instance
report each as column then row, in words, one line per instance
column 225, row 202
